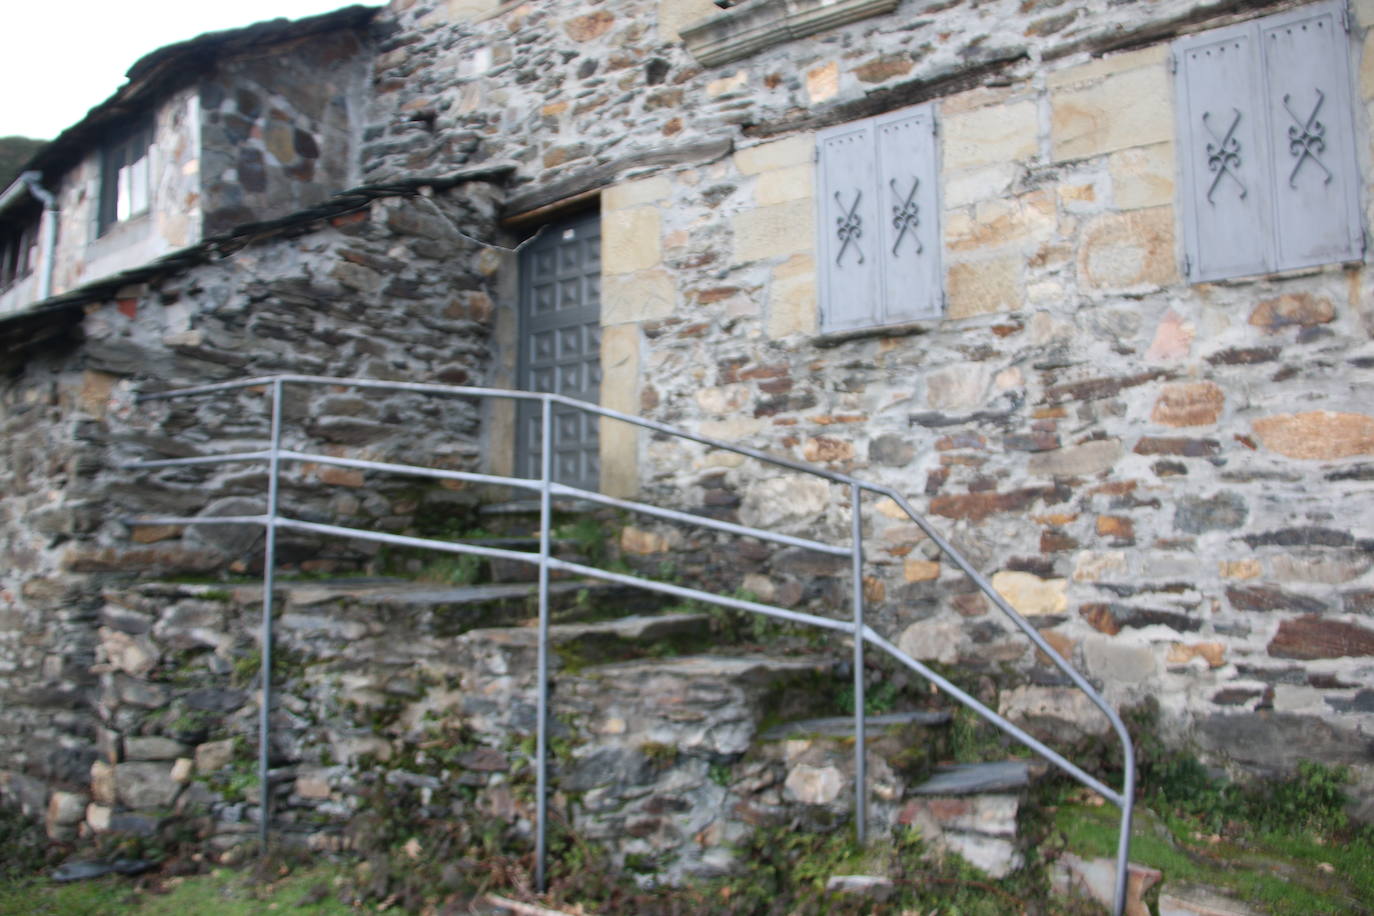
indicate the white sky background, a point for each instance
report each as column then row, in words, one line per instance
column 59, row 60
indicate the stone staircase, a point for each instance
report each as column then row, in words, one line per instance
column 667, row 746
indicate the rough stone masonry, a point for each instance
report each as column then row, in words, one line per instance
column 1173, row 480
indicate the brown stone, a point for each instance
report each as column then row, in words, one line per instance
column 823, row 450
column 1317, row 435
column 883, row 67
column 1129, row 250
column 1097, row 388
column 1060, row 643
column 1055, row 541
column 1235, row 696
column 914, row 570
column 1301, row 309
column 1177, row 445
column 590, row 26
column 1214, row 653
column 151, row 534
column 341, row 477
column 977, row 506
column 1189, row 404
column 639, row 541
column 1114, row 526
column 1100, row 618
column 1313, row 637
column 1262, row 598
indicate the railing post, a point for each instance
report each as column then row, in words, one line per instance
column 542, row 726
column 269, row 569
column 860, row 751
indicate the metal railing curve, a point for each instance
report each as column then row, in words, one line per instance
column 547, row 488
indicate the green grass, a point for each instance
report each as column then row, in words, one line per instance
column 1279, row 869
column 222, row 892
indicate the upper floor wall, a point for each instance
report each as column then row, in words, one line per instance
column 224, row 130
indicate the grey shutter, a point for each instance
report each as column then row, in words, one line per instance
column 1225, row 200
column 848, row 254
column 908, row 188
column 1311, row 129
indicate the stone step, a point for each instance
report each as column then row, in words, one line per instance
column 843, row 726
column 975, row 778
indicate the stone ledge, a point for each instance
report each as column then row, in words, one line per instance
column 764, row 23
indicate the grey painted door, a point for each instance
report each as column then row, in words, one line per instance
column 560, row 347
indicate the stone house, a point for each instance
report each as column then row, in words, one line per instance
column 1087, row 279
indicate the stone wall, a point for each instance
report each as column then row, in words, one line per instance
column 173, row 219
column 389, row 291
column 278, row 128
column 1170, row 479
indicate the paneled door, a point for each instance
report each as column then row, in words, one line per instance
column 560, row 347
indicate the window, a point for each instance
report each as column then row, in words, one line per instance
column 124, row 177
column 1267, row 145
column 18, row 252
column 878, row 220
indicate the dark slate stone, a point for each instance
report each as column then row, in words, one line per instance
column 1360, row 602
column 1244, row 356
column 1301, row 537
column 1274, row 743
column 656, row 71
column 1360, row 702
column 891, row 451
column 1263, row 598
column 841, row 726
column 608, row 766
column 213, row 699
column 305, row 145
column 252, row 169
column 966, row 779
column 1222, row 512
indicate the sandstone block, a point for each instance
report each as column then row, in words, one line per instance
column 98, row 817
column 1077, row 460
column 1031, row 595
column 644, row 296
column 134, row 655
column 1301, row 309
column 781, row 501
column 1189, row 404
column 1214, row 653
column 774, row 231
column 638, row 541
column 812, row 785
column 146, row 784
column 781, row 185
column 1317, row 435
column 635, row 193
column 736, row 80
column 1121, row 251
column 825, row 450
column 995, row 134
column 916, row 570
column 619, row 442
column 986, row 183
column 823, row 83
column 1092, row 566
column 459, row 10
column 1110, row 104
column 590, row 26
column 792, row 303
column 983, row 287
column 631, row 240
column 1117, row 661
column 103, row 788
column 798, row 149
column 1240, row 569
column 214, row 755
column 1143, row 176
column 673, row 15
column 1052, row 711
column 957, row 387
column 932, row 640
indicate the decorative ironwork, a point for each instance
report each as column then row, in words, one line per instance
column 849, row 228
column 906, row 215
column 1223, row 156
column 1307, row 139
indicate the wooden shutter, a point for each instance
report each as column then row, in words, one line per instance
column 849, row 255
column 1225, row 201
column 908, row 190
column 1307, row 95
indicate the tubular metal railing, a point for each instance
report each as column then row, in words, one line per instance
column 272, row 520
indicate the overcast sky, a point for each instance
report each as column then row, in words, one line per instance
column 59, row 60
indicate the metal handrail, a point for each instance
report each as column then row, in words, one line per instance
column 547, row 488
